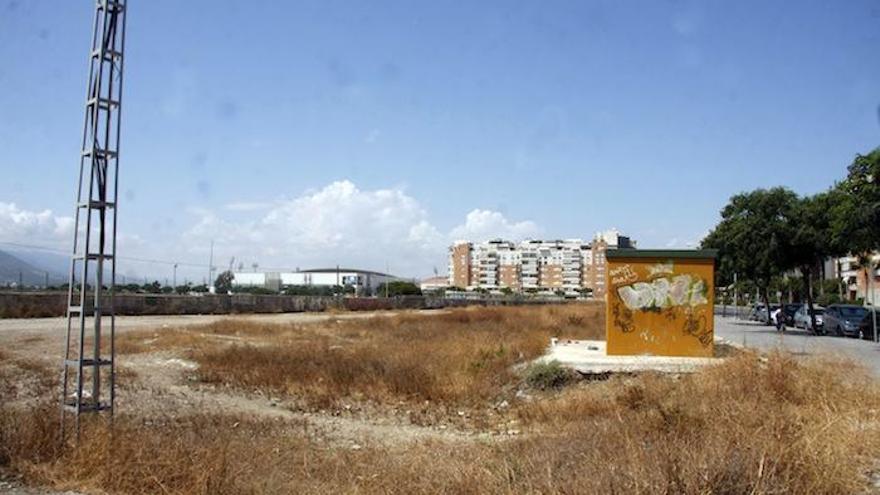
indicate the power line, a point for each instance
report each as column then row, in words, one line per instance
column 127, row 258
column 170, row 263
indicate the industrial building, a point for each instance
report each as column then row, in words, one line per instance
column 569, row 266
column 363, row 281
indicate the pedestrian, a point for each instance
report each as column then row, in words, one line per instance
column 778, row 317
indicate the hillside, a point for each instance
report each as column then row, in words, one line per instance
column 11, row 267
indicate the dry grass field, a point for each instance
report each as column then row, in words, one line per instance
column 440, row 403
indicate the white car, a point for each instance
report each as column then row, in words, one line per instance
column 802, row 317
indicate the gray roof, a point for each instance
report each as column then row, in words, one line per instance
column 343, row 269
column 662, row 253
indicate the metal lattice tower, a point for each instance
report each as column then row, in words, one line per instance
column 88, row 383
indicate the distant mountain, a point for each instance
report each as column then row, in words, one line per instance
column 13, row 266
column 54, row 263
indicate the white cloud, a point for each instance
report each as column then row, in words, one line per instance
column 337, row 224
column 342, row 224
column 247, row 206
column 44, row 226
column 487, row 224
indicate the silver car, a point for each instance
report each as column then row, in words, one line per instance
column 802, row 317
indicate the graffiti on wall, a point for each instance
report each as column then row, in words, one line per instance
column 664, row 292
column 675, row 297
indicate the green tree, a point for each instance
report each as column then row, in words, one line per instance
column 153, row 288
column 754, row 236
column 399, row 288
column 813, row 239
column 223, row 283
column 858, row 215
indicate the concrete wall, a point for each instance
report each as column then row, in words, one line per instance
column 34, row 304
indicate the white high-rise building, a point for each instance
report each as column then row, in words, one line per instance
column 566, row 266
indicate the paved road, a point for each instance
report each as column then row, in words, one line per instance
column 753, row 334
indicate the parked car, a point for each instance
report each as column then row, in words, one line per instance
column 755, row 311
column 789, row 310
column 802, row 317
column 849, row 320
column 760, row 313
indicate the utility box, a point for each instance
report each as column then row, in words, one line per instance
column 660, row 302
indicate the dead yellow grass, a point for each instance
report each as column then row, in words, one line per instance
column 24, row 378
column 753, row 424
column 461, row 357
column 757, row 424
column 750, row 425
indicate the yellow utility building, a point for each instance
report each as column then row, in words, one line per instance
column 660, row 302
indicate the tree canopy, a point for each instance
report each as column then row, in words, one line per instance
column 858, row 215
column 754, row 236
column 766, row 233
column 223, row 283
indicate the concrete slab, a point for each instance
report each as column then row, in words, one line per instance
column 589, row 357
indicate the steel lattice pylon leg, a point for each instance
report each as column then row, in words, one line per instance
column 88, row 382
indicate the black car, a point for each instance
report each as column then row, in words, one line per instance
column 849, row 320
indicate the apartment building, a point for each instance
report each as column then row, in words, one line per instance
column 460, row 264
column 602, row 242
column 596, row 281
column 855, row 277
column 560, row 266
column 553, row 265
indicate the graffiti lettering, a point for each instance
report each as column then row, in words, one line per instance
column 695, row 325
column 623, row 275
column 681, row 290
column 661, row 269
column 623, row 318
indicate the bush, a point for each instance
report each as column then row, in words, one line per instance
column 318, row 290
column 548, row 375
column 828, row 299
column 243, row 289
column 399, row 288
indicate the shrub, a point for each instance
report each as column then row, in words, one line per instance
column 548, row 375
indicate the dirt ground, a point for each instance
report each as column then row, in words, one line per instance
column 161, row 383
column 38, row 336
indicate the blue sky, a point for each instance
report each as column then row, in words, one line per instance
column 360, row 133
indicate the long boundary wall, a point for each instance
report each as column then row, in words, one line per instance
column 47, row 304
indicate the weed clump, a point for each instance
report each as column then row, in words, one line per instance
column 547, row 375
